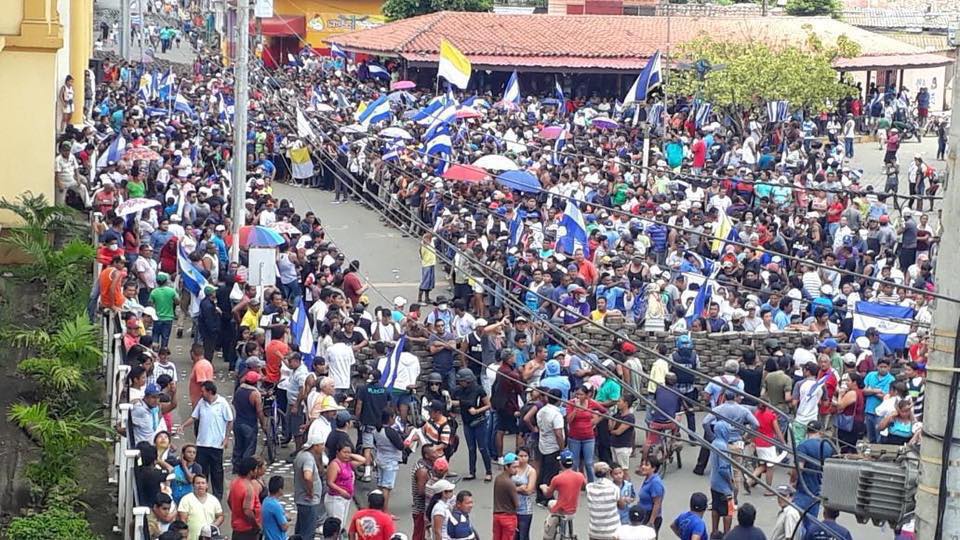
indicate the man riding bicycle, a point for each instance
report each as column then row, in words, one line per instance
column 663, row 418
column 566, row 486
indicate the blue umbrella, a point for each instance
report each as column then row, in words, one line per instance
column 520, row 181
column 550, row 101
column 257, row 236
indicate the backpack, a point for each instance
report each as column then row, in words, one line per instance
column 722, row 398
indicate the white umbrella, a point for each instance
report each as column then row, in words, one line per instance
column 494, row 162
column 396, row 133
column 137, row 204
column 323, row 107
column 354, row 128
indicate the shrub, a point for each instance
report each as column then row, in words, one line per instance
column 51, row 524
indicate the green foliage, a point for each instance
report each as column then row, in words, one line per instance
column 753, row 73
column 56, row 381
column 75, row 342
column 61, row 437
column 60, row 273
column 53, row 524
column 402, row 9
column 807, row 8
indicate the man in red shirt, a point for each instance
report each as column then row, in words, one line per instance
column 352, row 287
column 372, row 523
column 829, row 377
column 699, row 150
column 566, row 486
column 275, row 351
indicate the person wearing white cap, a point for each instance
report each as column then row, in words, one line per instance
column 439, row 506
column 308, row 484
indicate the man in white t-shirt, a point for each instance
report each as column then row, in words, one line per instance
column 340, row 360
column 636, row 530
column 806, row 398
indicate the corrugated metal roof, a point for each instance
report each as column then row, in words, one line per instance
column 899, row 18
column 887, row 61
column 924, row 40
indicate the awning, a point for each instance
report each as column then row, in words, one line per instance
column 533, row 62
column 283, row 25
column 891, row 61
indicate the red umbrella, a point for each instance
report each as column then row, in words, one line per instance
column 466, row 173
column 469, row 112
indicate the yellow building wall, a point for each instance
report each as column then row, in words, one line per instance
column 326, row 18
column 30, row 36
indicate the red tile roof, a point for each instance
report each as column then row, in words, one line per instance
column 888, row 61
column 589, row 41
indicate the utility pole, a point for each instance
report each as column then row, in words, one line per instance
column 241, row 84
column 938, row 496
column 124, row 29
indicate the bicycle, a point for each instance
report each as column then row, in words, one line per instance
column 664, row 438
column 275, row 422
column 564, row 530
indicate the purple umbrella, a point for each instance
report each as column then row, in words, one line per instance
column 602, row 122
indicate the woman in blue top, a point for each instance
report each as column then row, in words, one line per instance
column 651, row 492
column 526, row 482
column 899, row 424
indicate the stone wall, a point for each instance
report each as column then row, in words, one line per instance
column 713, row 349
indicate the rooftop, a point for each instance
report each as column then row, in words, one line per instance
column 599, row 42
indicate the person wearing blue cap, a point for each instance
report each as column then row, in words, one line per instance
column 506, row 500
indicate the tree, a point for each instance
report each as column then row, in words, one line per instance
column 402, row 9
column 808, row 8
column 749, row 74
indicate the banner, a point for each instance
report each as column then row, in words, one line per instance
column 890, row 320
column 263, row 9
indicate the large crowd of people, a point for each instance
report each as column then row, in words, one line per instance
column 766, row 231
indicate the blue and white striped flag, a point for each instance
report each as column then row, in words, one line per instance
column 439, row 142
column 225, row 108
column 650, row 77
column 516, row 229
column 180, row 104
column 441, row 119
column 378, row 72
column 190, row 275
column 114, row 152
column 572, row 234
column 558, row 158
column 145, row 91
column 701, row 302
column 303, row 335
column 704, row 110
column 341, row 99
column 391, row 152
column 165, row 90
column 562, row 107
column 890, row 320
column 389, row 374
column 655, row 115
column 336, row 51
column 376, row 112
column 512, row 92
column 778, row 111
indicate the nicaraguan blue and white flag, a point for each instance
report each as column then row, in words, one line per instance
column 389, row 374
column 650, row 77
column 701, row 301
column 516, row 229
column 180, row 104
column 563, row 102
column 426, row 114
column 376, row 112
column 391, row 151
column 165, row 91
column 512, row 92
column 704, row 110
column 440, row 142
column 190, row 275
column 114, row 152
column 558, row 158
column 572, row 234
column 378, row 72
column 225, row 107
column 778, row 111
column 442, row 118
column 655, row 115
column 891, row 320
column 336, row 51
column 303, row 335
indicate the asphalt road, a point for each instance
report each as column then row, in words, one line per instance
column 391, row 266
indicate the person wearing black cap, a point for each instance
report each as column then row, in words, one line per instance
column 690, row 525
column 474, row 404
